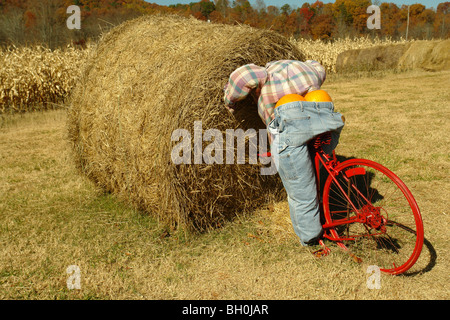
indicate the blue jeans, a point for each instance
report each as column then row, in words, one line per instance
column 295, row 124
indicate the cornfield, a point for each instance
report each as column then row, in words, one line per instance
column 327, row 52
column 37, row 78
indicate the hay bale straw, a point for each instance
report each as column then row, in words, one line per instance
column 439, row 56
column 369, row 59
column 151, row 76
column 427, row 55
column 418, row 52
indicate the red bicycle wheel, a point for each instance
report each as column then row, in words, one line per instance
column 369, row 209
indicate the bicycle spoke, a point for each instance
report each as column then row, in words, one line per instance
column 386, row 226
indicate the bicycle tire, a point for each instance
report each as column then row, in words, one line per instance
column 387, row 228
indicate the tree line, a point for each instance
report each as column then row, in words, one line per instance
column 44, row 22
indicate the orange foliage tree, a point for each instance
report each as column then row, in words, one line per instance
column 312, row 20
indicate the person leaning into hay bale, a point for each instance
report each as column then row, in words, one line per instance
column 291, row 126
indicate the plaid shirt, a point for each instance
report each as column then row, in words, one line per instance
column 277, row 79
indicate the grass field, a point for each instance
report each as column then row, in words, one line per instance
column 51, row 218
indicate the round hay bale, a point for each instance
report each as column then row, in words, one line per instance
column 440, row 56
column 345, row 60
column 370, row 59
column 416, row 55
column 427, row 55
column 148, row 78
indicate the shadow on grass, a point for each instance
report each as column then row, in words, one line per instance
column 431, row 263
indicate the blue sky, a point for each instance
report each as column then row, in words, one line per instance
column 298, row 3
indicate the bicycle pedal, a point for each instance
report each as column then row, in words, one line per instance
column 322, row 252
column 355, row 258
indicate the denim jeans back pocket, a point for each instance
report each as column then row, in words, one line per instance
column 298, row 124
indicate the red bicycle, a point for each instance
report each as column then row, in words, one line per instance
column 368, row 211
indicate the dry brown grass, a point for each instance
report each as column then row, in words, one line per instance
column 50, row 217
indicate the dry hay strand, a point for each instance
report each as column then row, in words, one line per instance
column 427, row 55
column 368, row 59
column 151, row 76
column 275, row 222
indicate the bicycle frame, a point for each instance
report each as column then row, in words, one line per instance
column 354, row 208
column 330, row 162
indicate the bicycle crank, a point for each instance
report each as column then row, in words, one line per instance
column 322, row 252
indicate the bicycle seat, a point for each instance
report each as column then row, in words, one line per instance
column 317, row 142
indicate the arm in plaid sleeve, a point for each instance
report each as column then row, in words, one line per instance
column 241, row 82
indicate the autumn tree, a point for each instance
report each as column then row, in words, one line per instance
column 390, row 19
column 12, row 26
column 322, row 23
column 28, row 21
column 201, row 10
column 441, row 24
column 286, row 9
column 260, row 6
column 222, row 7
column 350, row 16
column 305, row 15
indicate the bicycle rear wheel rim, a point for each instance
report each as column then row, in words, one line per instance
column 392, row 235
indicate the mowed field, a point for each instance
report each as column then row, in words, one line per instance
column 52, row 218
